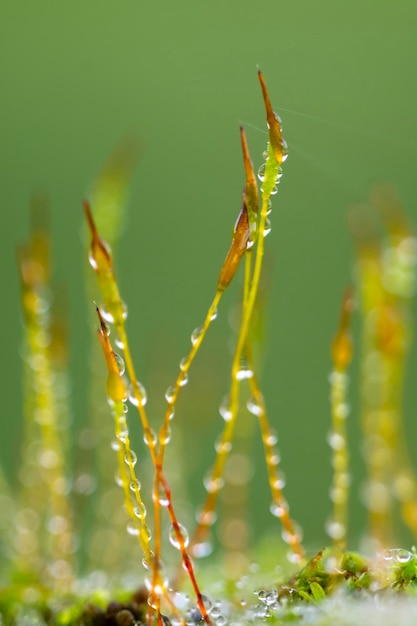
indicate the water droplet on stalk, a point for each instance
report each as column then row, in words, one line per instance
column 119, row 343
column 183, row 380
column 268, row 227
column 224, row 409
column 120, row 363
column 245, row 372
column 137, row 394
column 253, row 407
column 165, row 435
column 223, row 447
column 170, row 394
column 261, row 172
column 150, row 438
column 132, row 529
column 336, row 441
column 278, row 510
column 140, row 511
column 206, row 518
column 174, row 539
column 135, row 485
column 213, row 484
column 196, row 334
column 160, row 496
column 131, row 458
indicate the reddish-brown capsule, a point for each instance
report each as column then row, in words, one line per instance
column 236, row 250
column 100, row 258
column 273, row 122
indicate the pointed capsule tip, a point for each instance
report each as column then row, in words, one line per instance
column 89, row 215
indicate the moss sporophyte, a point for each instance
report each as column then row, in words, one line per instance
column 44, row 579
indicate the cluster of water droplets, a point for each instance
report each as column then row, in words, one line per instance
column 398, row 555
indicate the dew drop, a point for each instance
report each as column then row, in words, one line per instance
column 336, row 441
column 284, row 146
column 244, row 372
column 48, row 459
column 342, row 410
column 278, row 510
column 280, row 482
column 267, row 597
column 397, row 554
column 208, row 604
column 292, row 538
column 213, row 484
column 120, row 363
column 404, row 556
column 196, row 334
column 250, row 243
column 268, row 227
column 135, row 485
column 271, row 439
column 165, row 435
column 181, row 600
column 118, row 479
column 273, row 459
column 335, row 530
column 170, row 394
column 202, row 549
column 132, row 529
column 184, row 363
column 206, row 518
column 161, row 497
column 140, row 511
column 131, row 458
column 137, row 394
column 115, row 445
column 337, row 495
column 150, row 438
column 215, row 612
column 119, row 343
column 253, row 407
column 92, row 260
column 183, row 380
column 261, row 172
column 213, row 315
column 223, row 447
column 123, row 434
column 293, row 557
column 173, row 536
column 224, row 409
column 106, row 315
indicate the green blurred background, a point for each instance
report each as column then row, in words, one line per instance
column 77, row 76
